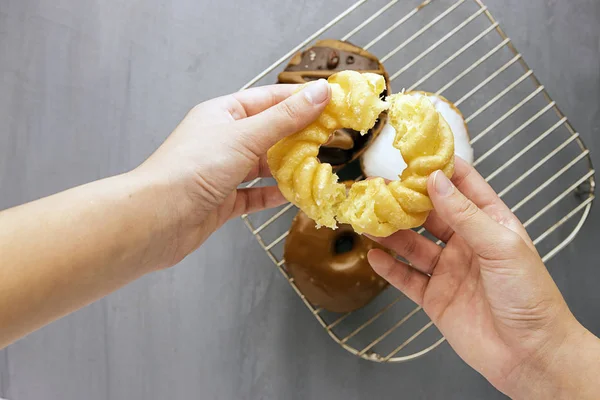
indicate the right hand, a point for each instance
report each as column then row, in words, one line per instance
column 487, row 290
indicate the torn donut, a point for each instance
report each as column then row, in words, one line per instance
column 382, row 159
column 423, row 137
column 323, row 59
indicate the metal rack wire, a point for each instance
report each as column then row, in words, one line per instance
column 525, row 147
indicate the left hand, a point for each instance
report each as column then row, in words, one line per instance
column 220, row 144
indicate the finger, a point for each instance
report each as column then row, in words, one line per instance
column 462, row 170
column 470, row 183
column 437, row 227
column 241, row 104
column 259, row 132
column 400, row 275
column 261, row 169
column 250, row 200
column 474, row 187
column 256, row 100
column 421, row 252
column 488, row 238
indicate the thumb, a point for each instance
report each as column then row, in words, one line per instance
column 261, row 131
column 487, row 238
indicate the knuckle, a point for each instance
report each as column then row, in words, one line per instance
column 506, row 246
column 288, row 112
column 459, row 179
column 511, row 241
column 406, row 277
column 466, row 210
column 235, row 109
column 272, row 98
column 249, row 146
column 434, row 261
column 410, row 245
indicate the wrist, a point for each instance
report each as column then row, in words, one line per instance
column 160, row 200
column 562, row 369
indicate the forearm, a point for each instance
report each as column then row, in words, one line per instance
column 62, row 252
column 570, row 372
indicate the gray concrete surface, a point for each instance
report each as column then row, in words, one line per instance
column 90, row 88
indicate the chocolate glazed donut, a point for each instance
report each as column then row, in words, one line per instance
column 322, row 60
column 330, row 267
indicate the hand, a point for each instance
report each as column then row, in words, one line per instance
column 488, row 291
column 62, row 252
column 219, row 145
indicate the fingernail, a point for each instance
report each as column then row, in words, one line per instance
column 442, row 184
column 317, row 92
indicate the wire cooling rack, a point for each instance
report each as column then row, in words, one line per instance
column 524, row 145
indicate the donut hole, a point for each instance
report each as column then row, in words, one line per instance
column 344, row 243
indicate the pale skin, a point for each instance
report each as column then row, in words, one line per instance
column 487, row 290
column 490, row 294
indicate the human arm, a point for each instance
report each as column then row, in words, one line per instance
column 490, row 294
column 62, row 252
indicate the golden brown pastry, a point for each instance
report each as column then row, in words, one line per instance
column 330, row 267
column 426, row 143
column 322, row 60
column 422, row 136
column 302, row 179
column 381, row 159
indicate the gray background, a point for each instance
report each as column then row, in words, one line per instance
column 90, row 88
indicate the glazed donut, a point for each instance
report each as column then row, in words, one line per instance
column 330, row 267
column 323, row 59
column 383, row 160
column 422, row 136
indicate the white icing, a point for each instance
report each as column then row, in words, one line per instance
column 382, row 159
